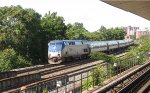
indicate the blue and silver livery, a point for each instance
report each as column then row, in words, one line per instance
column 61, row 50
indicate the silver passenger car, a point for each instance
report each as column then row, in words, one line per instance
column 113, row 44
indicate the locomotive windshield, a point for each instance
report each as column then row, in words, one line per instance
column 55, row 46
column 52, row 44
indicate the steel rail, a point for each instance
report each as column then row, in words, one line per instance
column 114, row 83
column 71, row 73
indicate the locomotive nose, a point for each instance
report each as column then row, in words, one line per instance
column 54, row 59
column 54, row 51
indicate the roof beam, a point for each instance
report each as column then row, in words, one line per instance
column 138, row 7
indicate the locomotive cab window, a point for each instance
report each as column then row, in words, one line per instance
column 52, row 43
column 59, row 43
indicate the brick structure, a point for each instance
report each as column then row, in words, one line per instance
column 141, row 33
column 135, row 32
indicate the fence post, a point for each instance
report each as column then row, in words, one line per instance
column 81, row 82
column 87, row 80
column 74, row 84
column 65, row 83
column 93, row 77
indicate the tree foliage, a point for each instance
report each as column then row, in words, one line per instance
column 19, row 29
column 10, row 60
column 53, row 26
column 103, row 56
column 135, row 55
column 76, row 31
column 143, row 46
column 111, row 34
column 26, row 34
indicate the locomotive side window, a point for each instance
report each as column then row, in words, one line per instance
column 66, row 43
column 71, row 43
column 85, row 50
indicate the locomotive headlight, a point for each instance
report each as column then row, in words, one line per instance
column 59, row 53
column 49, row 55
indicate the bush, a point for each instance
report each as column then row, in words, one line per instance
column 103, row 56
column 10, row 60
column 99, row 75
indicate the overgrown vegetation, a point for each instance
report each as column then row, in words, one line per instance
column 103, row 56
column 135, row 55
column 27, row 34
column 10, row 60
column 97, row 77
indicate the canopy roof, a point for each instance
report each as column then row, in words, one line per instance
column 138, row 7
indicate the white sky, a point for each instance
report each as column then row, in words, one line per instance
column 92, row 13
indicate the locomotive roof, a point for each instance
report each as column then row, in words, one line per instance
column 67, row 40
column 113, row 41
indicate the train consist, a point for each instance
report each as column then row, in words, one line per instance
column 62, row 50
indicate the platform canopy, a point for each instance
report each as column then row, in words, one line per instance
column 138, row 7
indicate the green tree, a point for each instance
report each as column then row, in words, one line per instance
column 76, row 31
column 53, row 28
column 10, row 60
column 118, row 33
column 110, row 34
column 102, row 29
column 19, row 29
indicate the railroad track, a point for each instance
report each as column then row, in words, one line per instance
column 120, row 88
column 33, row 76
column 37, row 68
column 30, row 75
column 129, row 82
column 71, row 69
column 23, row 71
column 48, row 69
column 145, row 86
column 61, row 73
column 135, row 80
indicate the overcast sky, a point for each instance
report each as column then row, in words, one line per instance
column 92, row 13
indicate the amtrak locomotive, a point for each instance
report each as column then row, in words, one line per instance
column 61, row 50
